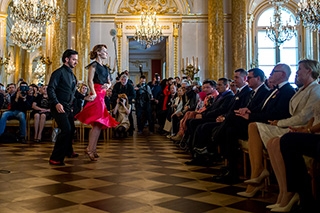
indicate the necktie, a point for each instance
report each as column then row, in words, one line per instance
column 251, row 97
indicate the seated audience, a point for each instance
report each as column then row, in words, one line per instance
column 209, row 88
column 107, row 99
column 20, row 103
column 11, row 90
column 41, row 112
column 121, row 112
column 79, row 103
column 2, row 95
column 269, row 134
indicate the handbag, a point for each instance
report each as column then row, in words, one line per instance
column 167, row 126
column 55, row 133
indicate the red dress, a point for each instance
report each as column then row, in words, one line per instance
column 95, row 112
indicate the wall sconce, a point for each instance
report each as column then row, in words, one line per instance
column 45, row 60
column 191, row 69
column 5, row 60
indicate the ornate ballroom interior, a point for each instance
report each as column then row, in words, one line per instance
column 215, row 36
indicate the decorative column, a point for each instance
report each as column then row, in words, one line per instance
column 18, row 63
column 315, row 41
column 57, row 41
column 3, row 27
column 82, row 38
column 175, row 48
column 239, row 34
column 119, row 35
column 216, row 39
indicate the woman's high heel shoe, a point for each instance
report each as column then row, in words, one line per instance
column 295, row 199
column 264, row 174
column 90, row 156
column 251, row 194
column 272, row 206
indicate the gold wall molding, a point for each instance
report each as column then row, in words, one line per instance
column 60, row 35
column 239, row 34
column 139, row 6
column 131, row 27
column 119, row 36
column 215, row 39
column 175, row 47
column 83, row 38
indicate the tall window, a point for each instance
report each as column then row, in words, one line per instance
column 268, row 54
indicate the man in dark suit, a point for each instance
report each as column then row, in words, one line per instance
column 203, row 129
column 275, row 106
column 61, row 92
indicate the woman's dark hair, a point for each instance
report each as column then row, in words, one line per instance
column 67, row 54
column 163, row 84
column 94, row 52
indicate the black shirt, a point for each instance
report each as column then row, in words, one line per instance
column 120, row 89
column 101, row 74
column 62, row 87
column 21, row 105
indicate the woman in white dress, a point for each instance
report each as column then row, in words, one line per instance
column 300, row 108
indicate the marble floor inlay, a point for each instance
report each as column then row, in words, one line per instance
column 143, row 173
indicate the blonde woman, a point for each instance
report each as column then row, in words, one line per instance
column 122, row 111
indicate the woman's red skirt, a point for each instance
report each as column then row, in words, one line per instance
column 95, row 112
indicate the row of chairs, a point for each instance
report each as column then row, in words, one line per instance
column 107, row 133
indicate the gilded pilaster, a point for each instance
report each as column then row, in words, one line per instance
column 239, row 34
column 83, row 38
column 17, row 63
column 119, row 35
column 59, row 34
column 216, row 39
column 315, row 38
column 3, row 27
column 26, row 74
column 175, row 48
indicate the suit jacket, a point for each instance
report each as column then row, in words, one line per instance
column 276, row 108
column 219, row 106
column 119, row 89
column 300, row 107
column 240, row 100
column 258, row 98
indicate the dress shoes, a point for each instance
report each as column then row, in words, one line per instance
column 56, row 163
column 251, row 194
column 276, row 205
column 22, row 140
column 295, row 199
column 264, row 174
column 226, row 177
column 73, row 155
column 176, row 138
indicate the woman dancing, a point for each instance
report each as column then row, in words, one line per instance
column 95, row 112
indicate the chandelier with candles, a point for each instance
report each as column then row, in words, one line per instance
column 31, row 18
column 278, row 32
column 309, row 14
column 148, row 32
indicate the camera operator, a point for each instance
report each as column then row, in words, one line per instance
column 143, row 98
column 156, row 90
column 20, row 103
column 122, row 111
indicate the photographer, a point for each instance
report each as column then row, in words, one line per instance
column 122, row 111
column 20, row 103
column 143, row 98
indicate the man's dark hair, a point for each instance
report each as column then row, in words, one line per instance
column 67, row 54
column 156, row 75
column 258, row 72
column 117, row 78
column 177, row 77
column 243, row 72
column 33, row 85
column 224, row 80
column 142, row 77
column 11, row 84
column 211, row 82
column 170, row 78
column 23, row 82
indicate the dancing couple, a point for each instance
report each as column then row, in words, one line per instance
column 62, row 90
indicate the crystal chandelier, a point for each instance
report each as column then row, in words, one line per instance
column 32, row 17
column 309, row 14
column 277, row 31
column 149, row 32
column 26, row 36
